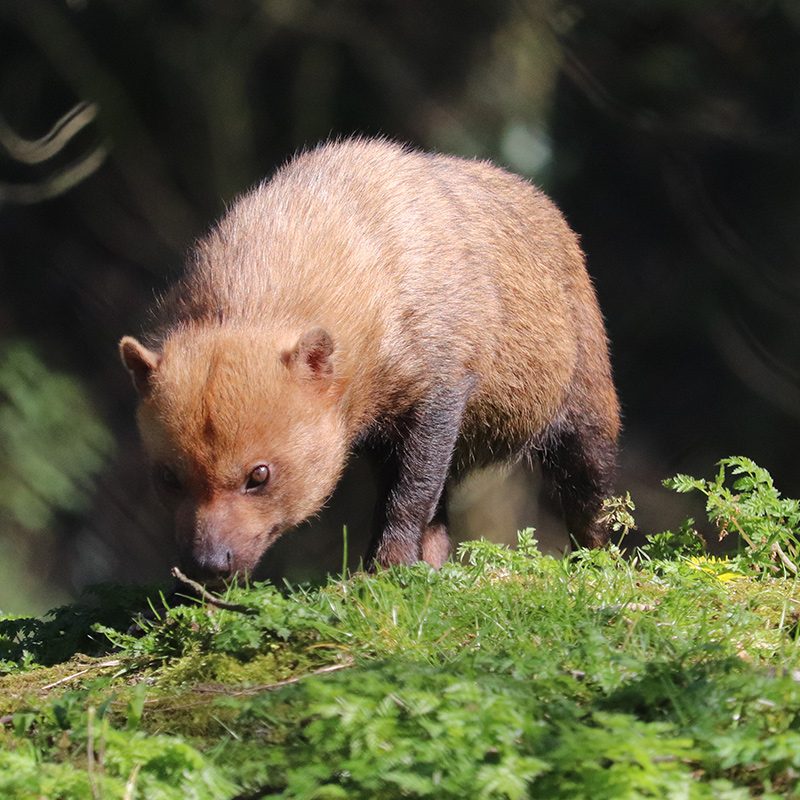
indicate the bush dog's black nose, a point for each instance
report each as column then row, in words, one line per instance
column 211, row 563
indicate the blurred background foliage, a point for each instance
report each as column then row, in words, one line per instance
column 667, row 130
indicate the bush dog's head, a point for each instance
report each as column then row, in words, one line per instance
column 244, row 436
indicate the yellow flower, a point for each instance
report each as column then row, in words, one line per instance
column 720, row 568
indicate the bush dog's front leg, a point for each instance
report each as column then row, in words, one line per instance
column 420, row 465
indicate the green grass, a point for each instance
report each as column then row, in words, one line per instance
column 663, row 674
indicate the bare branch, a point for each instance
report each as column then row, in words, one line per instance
column 34, row 151
column 211, row 599
column 58, row 183
column 103, row 665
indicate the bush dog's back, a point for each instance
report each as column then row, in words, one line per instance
column 432, row 308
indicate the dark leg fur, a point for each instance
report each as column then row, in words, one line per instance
column 579, row 462
column 412, row 525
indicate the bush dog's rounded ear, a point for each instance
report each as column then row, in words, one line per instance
column 140, row 362
column 311, row 356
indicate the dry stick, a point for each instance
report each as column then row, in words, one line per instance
column 267, row 687
column 115, row 663
column 776, row 548
column 784, row 558
column 264, row 687
column 130, row 786
column 90, row 756
column 211, row 599
column 615, row 608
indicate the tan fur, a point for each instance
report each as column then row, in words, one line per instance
column 423, row 270
column 435, row 545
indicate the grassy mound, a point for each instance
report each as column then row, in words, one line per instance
column 509, row 674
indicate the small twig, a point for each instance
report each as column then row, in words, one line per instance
column 615, row 608
column 90, row 755
column 776, row 548
column 747, row 539
column 115, row 663
column 130, row 786
column 210, row 598
column 787, row 562
column 268, row 687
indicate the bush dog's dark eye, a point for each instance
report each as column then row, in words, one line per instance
column 167, row 479
column 257, row 478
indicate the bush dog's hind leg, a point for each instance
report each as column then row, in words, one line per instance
column 579, row 461
column 413, row 524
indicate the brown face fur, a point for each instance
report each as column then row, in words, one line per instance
column 218, row 403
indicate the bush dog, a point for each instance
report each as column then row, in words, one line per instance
column 434, row 309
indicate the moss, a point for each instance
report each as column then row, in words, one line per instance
column 214, row 669
column 26, row 688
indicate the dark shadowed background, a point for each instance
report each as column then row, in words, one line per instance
column 667, row 131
